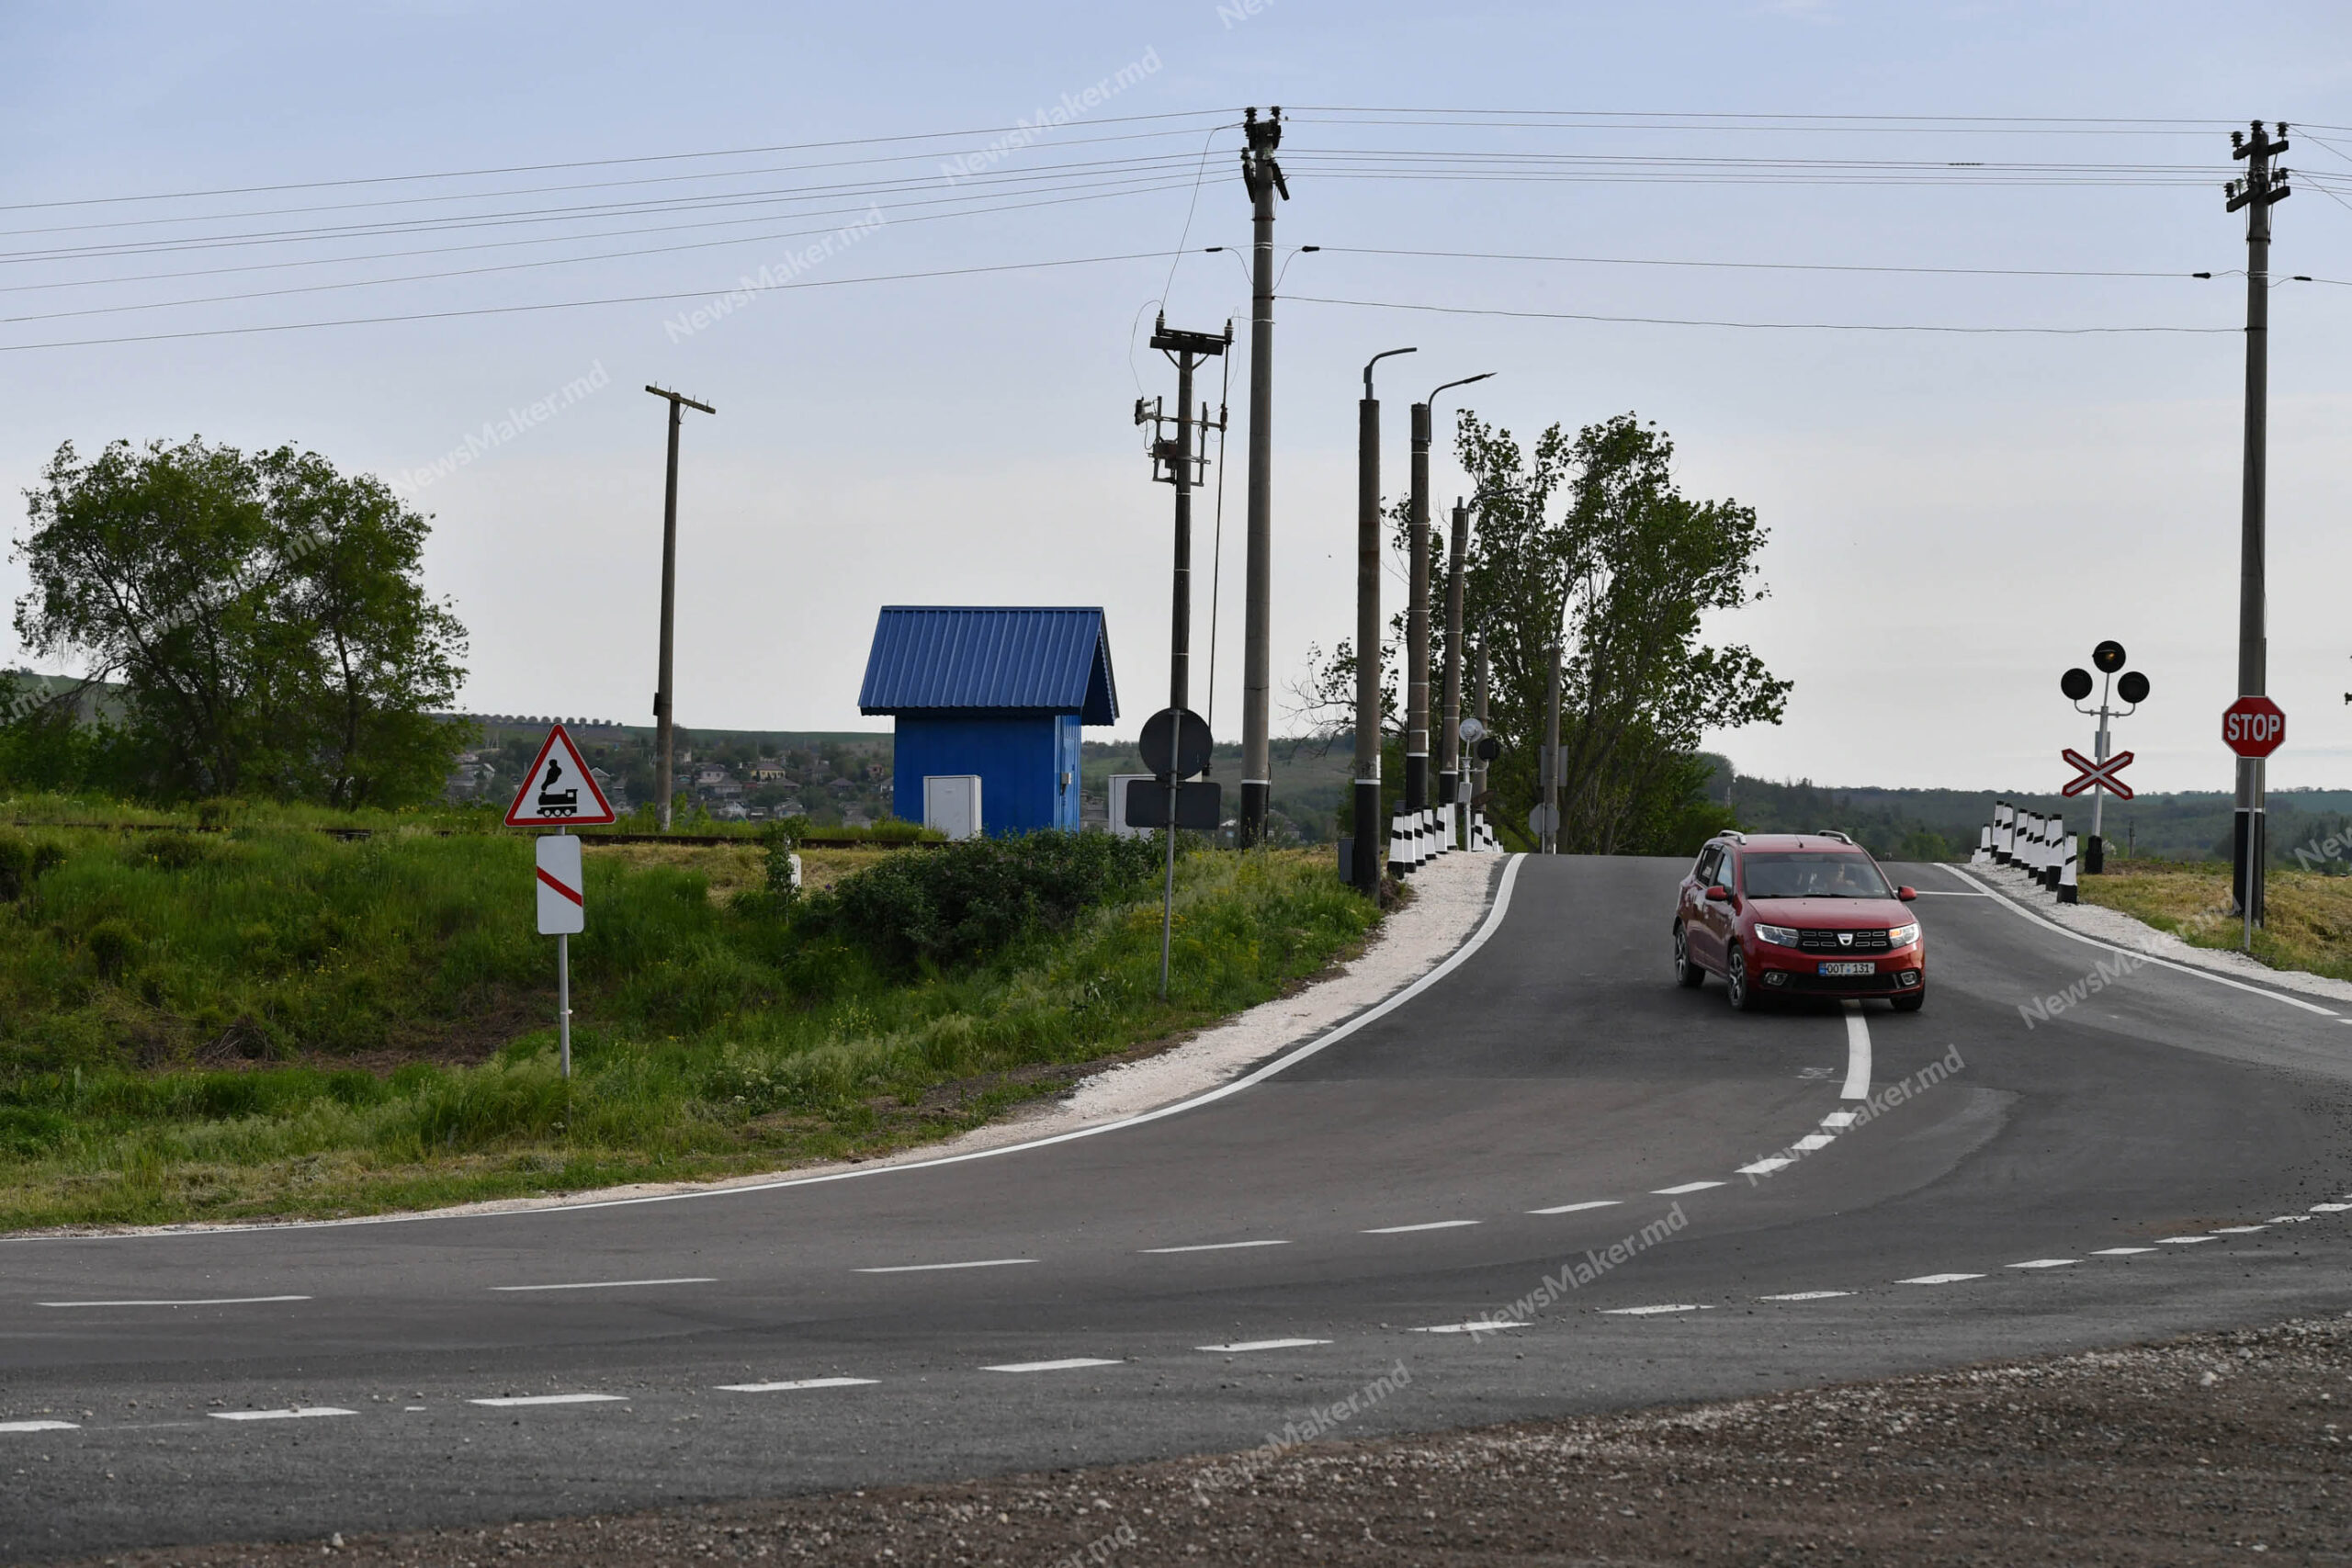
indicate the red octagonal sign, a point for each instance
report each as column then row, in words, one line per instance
column 2252, row 726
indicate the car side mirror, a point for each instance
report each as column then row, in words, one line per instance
column 1718, row 893
column 1906, row 893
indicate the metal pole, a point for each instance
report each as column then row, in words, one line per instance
column 1168, row 892
column 664, row 694
column 1417, row 623
column 1180, row 648
column 1449, row 750
column 564, row 991
column 1263, row 179
column 2098, row 861
column 1368, row 856
column 1552, row 759
column 2248, row 848
column 1478, row 772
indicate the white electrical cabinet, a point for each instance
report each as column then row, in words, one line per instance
column 951, row 802
column 1119, row 782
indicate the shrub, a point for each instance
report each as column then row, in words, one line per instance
column 963, row 901
column 23, row 862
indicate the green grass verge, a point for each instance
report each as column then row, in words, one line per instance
column 2307, row 916
column 712, row 1039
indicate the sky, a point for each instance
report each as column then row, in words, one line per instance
column 1955, row 517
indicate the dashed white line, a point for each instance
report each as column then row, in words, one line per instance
column 2239, row 1230
column 1577, row 1208
column 1244, row 1346
column 2181, row 1240
column 1654, row 1311
column 39, row 1425
column 1686, row 1187
column 1805, row 1296
column 1812, row 1141
column 1858, row 1054
column 1483, row 1326
column 2046, row 1263
column 302, row 1413
column 206, row 1301
column 1939, row 1278
column 2290, row 1218
column 2330, row 1208
column 507, row 1401
column 1068, row 1363
column 1838, row 1121
column 934, row 1268
column 609, row 1284
column 1765, row 1166
column 1215, row 1247
column 2121, row 1251
column 796, row 1384
column 1428, row 1226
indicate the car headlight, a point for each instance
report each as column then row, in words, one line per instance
column 1779, row 936
column 1903, row 936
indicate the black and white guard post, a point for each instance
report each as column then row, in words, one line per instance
column 551, row 797
column 2098, row 775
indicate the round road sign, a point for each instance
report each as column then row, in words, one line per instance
column 2252, row 726
column 1175, row 740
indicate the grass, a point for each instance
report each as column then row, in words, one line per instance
column 2308, row 917
column 273, row 1022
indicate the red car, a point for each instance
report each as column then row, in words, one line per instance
column 1797, row 914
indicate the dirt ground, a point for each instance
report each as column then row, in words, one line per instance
column 2219, row 1445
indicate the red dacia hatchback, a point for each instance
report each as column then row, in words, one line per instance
column 1797, row 914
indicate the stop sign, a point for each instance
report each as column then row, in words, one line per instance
column 2252, row 726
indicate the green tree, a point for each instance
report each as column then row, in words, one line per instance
column 264, row 613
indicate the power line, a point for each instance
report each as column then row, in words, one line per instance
column 1757, row 267
column 1757, row 326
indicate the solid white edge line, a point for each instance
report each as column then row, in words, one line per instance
column 1323, row 1042
column 1210, row 1246
column 796, row 1383
column 1858, row 1054
column 2039, row 918
column 934, row 1267
column 215, row 1301
column 608, row 1284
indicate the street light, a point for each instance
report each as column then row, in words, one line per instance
column 1366, row 860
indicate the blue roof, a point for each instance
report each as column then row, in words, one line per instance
column 930, row 657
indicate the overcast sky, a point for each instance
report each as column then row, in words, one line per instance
column 1955, row 517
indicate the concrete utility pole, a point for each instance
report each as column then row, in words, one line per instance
column 1551, row 765
column 1449, row 746
column 2260, row 189
column 1368, row 857
column 1262, row 177
column 1417, row 612
column 663, row 722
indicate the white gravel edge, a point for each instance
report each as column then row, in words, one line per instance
column 2128, row 932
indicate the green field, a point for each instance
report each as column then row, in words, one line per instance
column 273, row 1020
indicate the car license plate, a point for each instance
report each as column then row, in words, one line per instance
column 1863, row 969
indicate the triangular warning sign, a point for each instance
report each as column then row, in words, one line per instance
column 559, row 791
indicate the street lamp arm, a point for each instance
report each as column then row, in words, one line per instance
column 1466, row 380
column 1376, row 360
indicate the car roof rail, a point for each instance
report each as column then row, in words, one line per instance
column 1831, row 833
column 1734, row 834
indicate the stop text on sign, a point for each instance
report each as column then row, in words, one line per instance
column 2252, row 726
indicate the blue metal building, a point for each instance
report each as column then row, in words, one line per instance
column 996, row 692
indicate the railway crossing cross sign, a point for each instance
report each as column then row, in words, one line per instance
column 551, row 792
column 2097, row 775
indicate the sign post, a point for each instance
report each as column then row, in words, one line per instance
column 550, row 796
column 2252, row 726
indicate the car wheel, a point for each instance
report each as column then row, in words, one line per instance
column 1910, row 1001
column 1736, row 989
column 1686, row 968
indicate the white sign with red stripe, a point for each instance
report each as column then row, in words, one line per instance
column 562, row 909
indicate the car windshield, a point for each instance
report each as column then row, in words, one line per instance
column 1802, row 873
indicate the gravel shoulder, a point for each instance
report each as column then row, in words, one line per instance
column 2211, row 1446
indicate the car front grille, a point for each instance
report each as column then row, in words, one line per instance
column 1826, row 941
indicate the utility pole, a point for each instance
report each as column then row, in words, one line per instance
column 2262, row 187
column 1417, row 612
column 664, row 694
column 1262, row 177
column 1367, row 782
column 1478, row 772
column 1551, row 770
column 1449, row 746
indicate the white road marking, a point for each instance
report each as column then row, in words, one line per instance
column 1947, row 893
column 39, row 1425
column 934, row 1268
column 302, row 1413
column 1240, row 1347
column 1482, row 1327
column 2239, row 1230
column 1215, row 1247
column 2121, row 1251
column 1654, row 1311
column 1838, row 1121
column 2330, row 1208
column 796, row 1383
column 510, row 1400
column 2290, row 1218
column 2016, row 908
column 1574, row 1208
column 2181, row 1240
column 212, row 1302
column 1805, row 1296
column 1068, row 1364
column 1939, row 1278
column 2046, row 1263
column 1427, row 1225
column 1686, row 1187
column 1766, row 1166
column 1858, row 1054
column 609, row 1284
column 1812, row 1141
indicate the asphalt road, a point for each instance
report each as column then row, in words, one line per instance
column 1211, row 1279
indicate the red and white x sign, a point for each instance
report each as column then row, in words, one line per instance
column 2101, row 775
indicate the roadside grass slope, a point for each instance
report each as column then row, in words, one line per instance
column 2308, row 916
